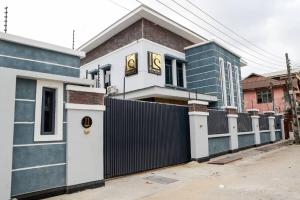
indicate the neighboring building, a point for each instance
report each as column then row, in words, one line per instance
column 161, row 61
column 269, row 91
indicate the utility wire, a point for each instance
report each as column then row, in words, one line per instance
column 224, row 33
column 232, row 31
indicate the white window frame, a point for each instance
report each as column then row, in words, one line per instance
column 223, row 81
column 58, row 131
column 230, row 71
column 238, row 88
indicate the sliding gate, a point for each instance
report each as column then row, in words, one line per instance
column 140, row 136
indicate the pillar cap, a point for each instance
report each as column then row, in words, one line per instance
column 229, row 107
column 85, row 89
column 205, row 103
column 269, row 112
column 253, row 110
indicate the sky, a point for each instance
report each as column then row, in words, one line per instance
column 271, row 27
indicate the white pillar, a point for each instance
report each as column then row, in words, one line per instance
column 255, row 125
column 7, row 110
column 174, row 72
column 85, row 167
column 198, row 130
column 184, row 75
column 271, row 124
column 232, row 126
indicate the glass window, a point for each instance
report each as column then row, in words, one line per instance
column 179, row 69
column 264, row 96
column 169, row 75
column 48, row 111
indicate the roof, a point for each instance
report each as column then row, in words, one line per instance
column 141, row 12
column 41, row 45
column 255, row 81
column 281, row 72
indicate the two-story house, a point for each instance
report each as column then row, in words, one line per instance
column 147, row 56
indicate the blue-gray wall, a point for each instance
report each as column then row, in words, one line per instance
column 265, row 137
column 17, row 56
column 218, row 145
column 31, row 172
column 203, row 71
column 278, row 135
column 246, row 140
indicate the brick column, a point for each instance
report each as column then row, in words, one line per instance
column 232, row 125
column 198, row 130
column 271, row 116
column 85, row 108
column 255, row 125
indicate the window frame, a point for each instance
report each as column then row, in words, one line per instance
column 179, row 77
column 166, row 71
column 43, row 132
column 265, row 96
column 58, row 127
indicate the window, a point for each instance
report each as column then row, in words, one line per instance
column 179, row 70
column 169, row 74
column 264, row 96
column 48, row 111
column 223, row 81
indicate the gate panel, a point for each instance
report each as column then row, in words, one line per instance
column 140, row 136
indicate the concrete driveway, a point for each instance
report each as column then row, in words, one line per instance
column 259, row 175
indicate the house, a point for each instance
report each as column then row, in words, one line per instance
column 147, row 56
column 269, row 91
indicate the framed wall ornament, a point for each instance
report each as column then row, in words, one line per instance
column 131, row 66
column 154, row 63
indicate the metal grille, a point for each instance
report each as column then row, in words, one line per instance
column 278, row 122
column 217, row 122
column 244, row 122
column 140, row 136
column 263, row 122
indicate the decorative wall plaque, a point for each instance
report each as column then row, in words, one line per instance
column 86, row 122
column 131, row 66
column 154, row 63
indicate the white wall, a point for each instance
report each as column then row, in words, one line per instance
column 143, row 78
column 7, row 111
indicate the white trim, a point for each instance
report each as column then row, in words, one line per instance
column 219, row 135
column 202, row 66
column 223, row 81
column 255, row 116
column 246, row 133
column 198, row 102
column 264, row 131
column 202, row 59
column 230, row 71
column 72, row 106
column 238, row 85
column 271, row 117
column 26, row 100
column 23, row 122
column 38, row 144
column 253, row 110
column 38, row 44
column 277, row 129
column 232, row 116
column 229, row 107
column 59, row 107
column 43, row 62
column 37, row 167
column 204, row 86
column 203, row 73
column 199, row 113
column 202, row 80
column 85, row 89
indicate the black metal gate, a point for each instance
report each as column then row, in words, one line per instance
column 140, row 136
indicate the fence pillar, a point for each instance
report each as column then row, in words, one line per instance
column 271, row 116
column 85, row 108
column 255, row 125
column 232, row 125
column 198, row 130
column 282, row 128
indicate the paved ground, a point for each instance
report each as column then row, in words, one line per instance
column 259, row 175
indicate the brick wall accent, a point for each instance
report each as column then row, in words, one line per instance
column 136, row 31
column 232, row 111
column 88, row 98
column 197, row 108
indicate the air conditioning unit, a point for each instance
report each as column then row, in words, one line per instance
column 112, row 89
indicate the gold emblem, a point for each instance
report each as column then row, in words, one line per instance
column 154, row 65
column 131, row 64
column 86, row 122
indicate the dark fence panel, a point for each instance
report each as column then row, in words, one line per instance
column 278, row 122
column 140, row 136
column 244, row 122
column 217, row 122
column 263, row 122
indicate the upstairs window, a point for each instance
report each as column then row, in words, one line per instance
column 264, row 96
column 179, row 69
column 48, row 111
column 169, row 74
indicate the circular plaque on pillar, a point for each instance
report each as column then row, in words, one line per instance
column 86, row 122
